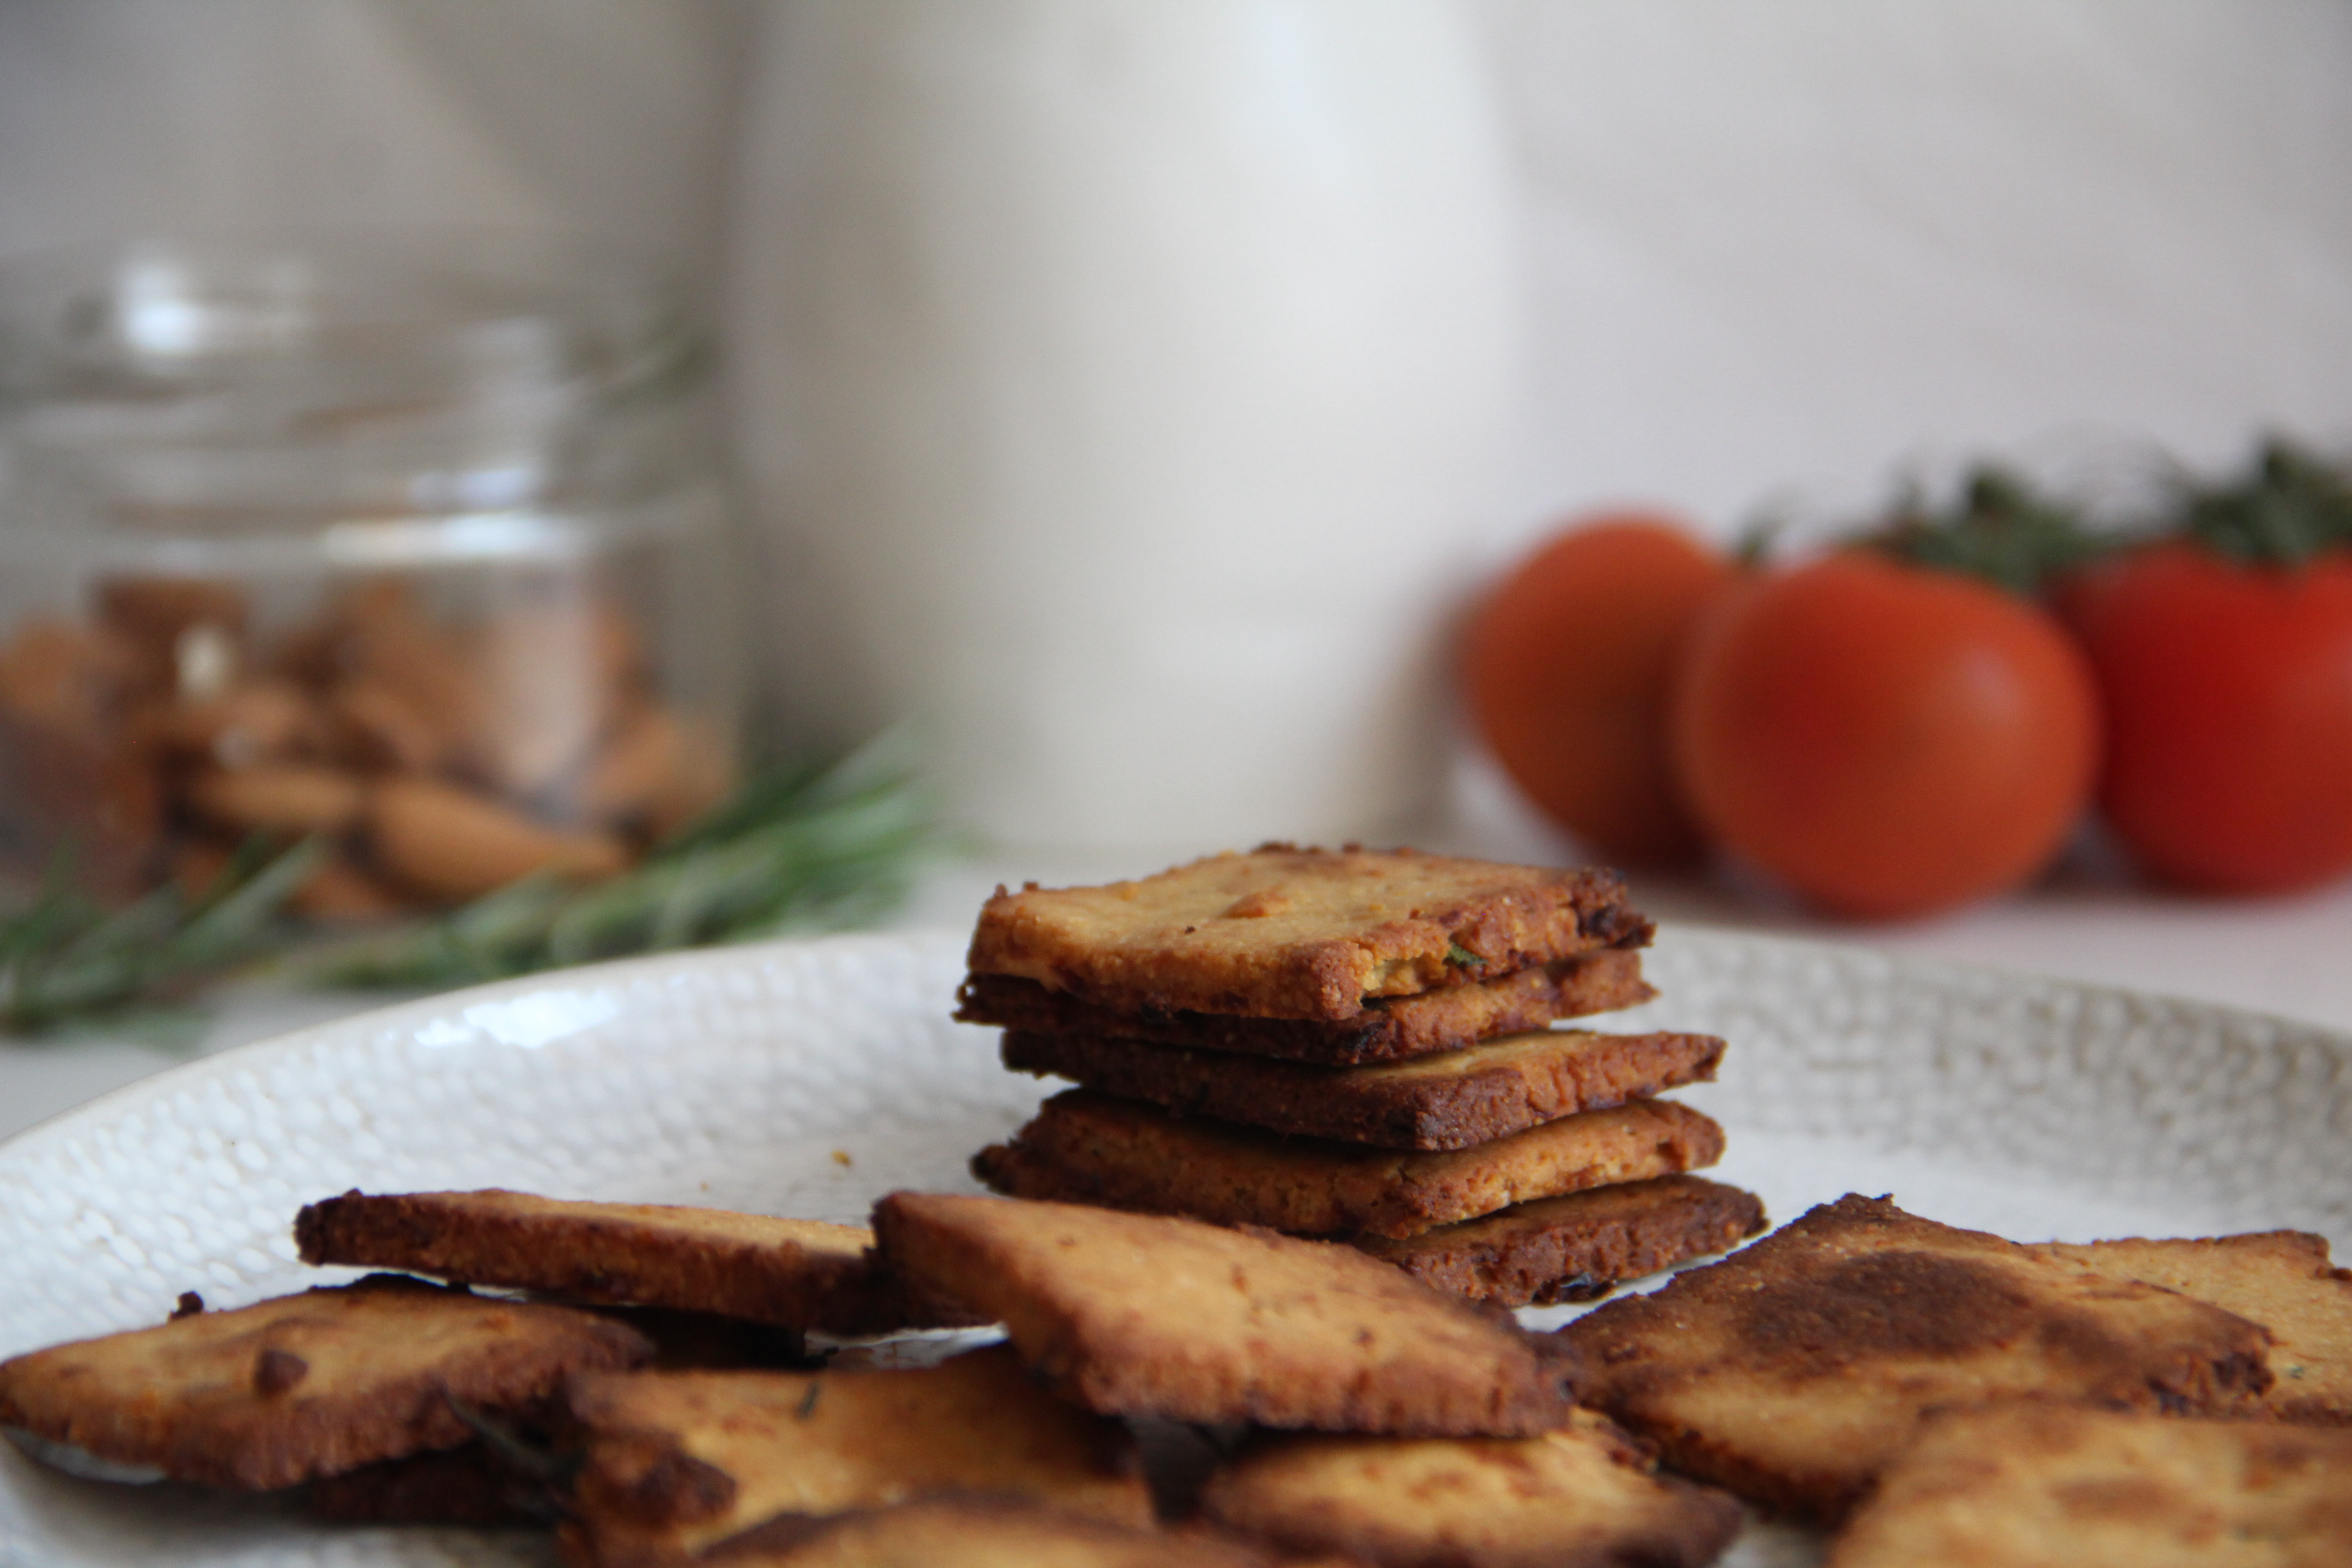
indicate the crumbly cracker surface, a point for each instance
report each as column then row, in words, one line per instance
column 2280, row 1278
column 794, row 1273
column 2036, row 1485
column 1794, row 1369
column 1450, row 1100
column 1388, row 1029
column 678, row 1461
column 1578, row 1247
column 1093, row 1148
column 1582, row 1497
column 1286, row 932
column 304, row 1386
column 1142, row 1315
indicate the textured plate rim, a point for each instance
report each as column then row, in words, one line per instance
column 419, row 1013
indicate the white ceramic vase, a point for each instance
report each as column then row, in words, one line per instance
column 1121, row 383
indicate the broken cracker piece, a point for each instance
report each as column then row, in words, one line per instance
column 1153, row 1316
column 679, row 1461
column 1794, row 1369
column 1389, row 1028
column 794, row 1273
column 1083, row 1147
column 1287, row 932
column 2281, row 1279
column 1578, row 1247
column 1582, row 1497
column 1454, row 1099
column 314, row 1385
column 2031, row 1484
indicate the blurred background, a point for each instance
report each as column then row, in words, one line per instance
column 1791, row 248
column 1139, row 398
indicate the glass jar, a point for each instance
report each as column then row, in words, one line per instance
column 417, row 546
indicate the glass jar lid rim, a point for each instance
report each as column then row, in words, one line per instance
column 162, row 311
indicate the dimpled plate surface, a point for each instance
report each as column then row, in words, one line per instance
column 808, row 1078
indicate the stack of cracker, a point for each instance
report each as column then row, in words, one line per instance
column 1358, row 1045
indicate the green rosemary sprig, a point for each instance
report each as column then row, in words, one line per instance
column 798, row 849
column 65, row 958
column 802, row 849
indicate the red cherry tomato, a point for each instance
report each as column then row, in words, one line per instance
column 1891, row 741
column 2229, row 700
column 1567, row 667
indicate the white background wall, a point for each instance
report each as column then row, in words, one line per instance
column 1775, row 244
column 1795, row 243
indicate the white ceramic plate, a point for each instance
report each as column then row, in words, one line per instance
column 809, row 1077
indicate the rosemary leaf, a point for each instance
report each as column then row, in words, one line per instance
column 66, row 959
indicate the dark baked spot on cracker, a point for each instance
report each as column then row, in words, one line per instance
column 1899, row 1302
column 276, row 1371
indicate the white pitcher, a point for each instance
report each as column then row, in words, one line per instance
column 1123, row 383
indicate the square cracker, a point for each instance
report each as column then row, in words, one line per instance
column 678, row 1461
column 2026, row 1484
column 794, row 1273
column 1137, row 1315
column 973, row 1532
column 2281, row 1279
column 1450, row 1101
column 1578, row 1247
column 1389, row 1028
column 304, row 1386
column 1792, row 1371
column 1286, row 932
column 1091, row 1148
column 1581, row 1496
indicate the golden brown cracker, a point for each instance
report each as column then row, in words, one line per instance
column 1287, row 932
column 2281, row 1279
column 1578, row 1247
column 678, row 1461
column 1454, row 1099
column 973, row 1532
column 1138, row 1315
column 1091, row 1148
column 1792, row 1371
column 1582, row 1497
column 794, row 1273
column 313, row 1385
column 1389, row 1028
column 2029, row 1484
